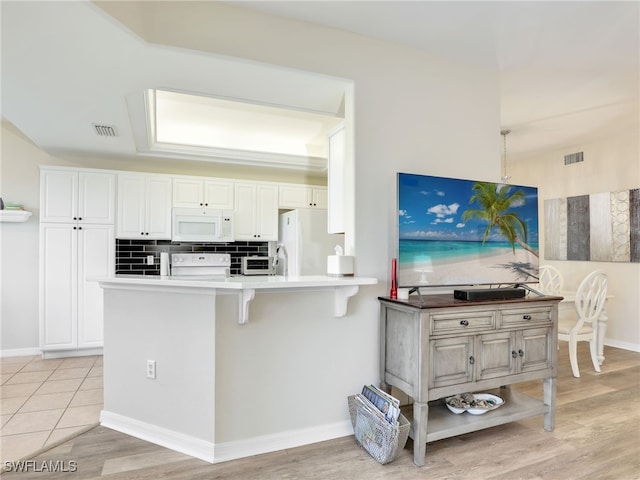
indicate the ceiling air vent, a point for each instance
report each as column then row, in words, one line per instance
column 573, row 158
column 105, row 130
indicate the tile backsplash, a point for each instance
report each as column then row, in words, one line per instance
column 131, row 255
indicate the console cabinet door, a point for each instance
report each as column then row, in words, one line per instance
column 534, row 350
column 495, row 355
column 452, row 361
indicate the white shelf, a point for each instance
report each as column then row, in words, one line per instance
column 14, row 215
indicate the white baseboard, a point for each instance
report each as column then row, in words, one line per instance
column 222, row 452
column 177, row 441
column 83, row 352
column 271, row 443
column 623, row 345
column 20, row 352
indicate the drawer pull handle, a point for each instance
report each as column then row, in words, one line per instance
column 521, row 353
column 464, row 323
column 472, row 360
column 514, row 354
column 527, row 317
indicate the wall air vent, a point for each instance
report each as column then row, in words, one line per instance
column 105, row 130
column 574, row 158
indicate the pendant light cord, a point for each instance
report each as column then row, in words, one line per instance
column 505, row 177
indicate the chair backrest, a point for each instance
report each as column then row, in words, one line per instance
column 590, row 297
column 550, row 280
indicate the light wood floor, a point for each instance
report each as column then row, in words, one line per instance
column 597, row 436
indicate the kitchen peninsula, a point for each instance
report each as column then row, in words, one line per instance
column 171, row 345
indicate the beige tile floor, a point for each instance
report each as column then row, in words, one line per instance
column 45, row 401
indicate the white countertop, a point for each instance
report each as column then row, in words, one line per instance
column 254, row 282
column 245, row 286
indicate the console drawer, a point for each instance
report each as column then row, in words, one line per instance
column 526, row 316
column 462, row 322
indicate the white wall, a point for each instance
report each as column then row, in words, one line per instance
column 610, row 164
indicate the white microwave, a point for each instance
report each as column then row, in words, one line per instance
column 201, row 225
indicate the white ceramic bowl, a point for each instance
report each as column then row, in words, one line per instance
column 491, row 399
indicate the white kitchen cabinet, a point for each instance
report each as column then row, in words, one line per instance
column 256, row 212
column 71, row 195
column 302, row 196
column 337, row 181
column 71, row 308
column 144, row 206
column 198, row 192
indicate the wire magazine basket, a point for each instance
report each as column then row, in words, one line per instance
column 377, row 436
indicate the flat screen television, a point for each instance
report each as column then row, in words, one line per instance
column 455, row 232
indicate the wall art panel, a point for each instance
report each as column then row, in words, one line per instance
column 555, row 228
column 603, row 227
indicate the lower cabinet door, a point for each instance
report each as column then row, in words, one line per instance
column 58, row 286
column 451, row 361
column 96, row 254
column 496, row 355
column 535, row 345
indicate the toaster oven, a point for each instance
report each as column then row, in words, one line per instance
column 257, row 266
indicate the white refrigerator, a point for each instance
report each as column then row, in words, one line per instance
column 306, row 243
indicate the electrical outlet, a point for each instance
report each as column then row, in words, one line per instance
column 151, row 369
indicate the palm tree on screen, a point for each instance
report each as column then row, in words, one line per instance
column 495, row 201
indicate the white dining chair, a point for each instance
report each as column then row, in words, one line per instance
column 550, row 280
column 589, row 302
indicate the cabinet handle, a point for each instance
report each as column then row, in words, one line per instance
column 75, row 228
column 75, row 218
column 521, row 353
column 472, row 360
column 201, row 204
column 514, row 354
column 79, row 218
column 147, row 233
column 141, row 233
column 464, row 323
column 206, row 204
column 526, row 317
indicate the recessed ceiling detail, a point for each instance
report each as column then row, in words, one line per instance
column 233, row 131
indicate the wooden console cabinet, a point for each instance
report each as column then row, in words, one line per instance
column 444, row 346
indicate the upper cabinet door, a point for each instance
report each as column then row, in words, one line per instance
column 202, row 193
column 302, row 196
column 158, row 208
column 320, row 197
column 294, row 196
column 144, row 206
column 267, row 212
column 218, row 194
column 188, row 193
column 96, row 198
column 131, row 206
column 77, row 196
column 256, row 212
column 58, row 196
